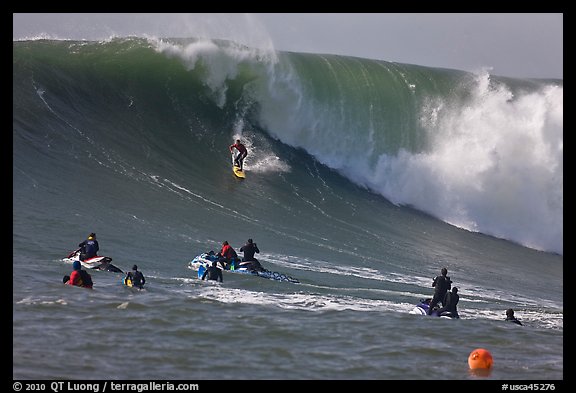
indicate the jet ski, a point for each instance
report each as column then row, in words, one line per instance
column 204, row 260
column 422, row 309
column 97, row 262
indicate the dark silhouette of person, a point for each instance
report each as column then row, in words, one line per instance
column 213, row 273
column 136, row 277
column 511, row 318
column 441, row 284
column 251, row 263
column 450, row 301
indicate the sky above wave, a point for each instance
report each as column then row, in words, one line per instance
column 509, row 44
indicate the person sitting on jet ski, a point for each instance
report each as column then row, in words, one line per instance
column 89, row 247
column 227, row 256
column 213, row 273
column 450, row 301
column 248, row 260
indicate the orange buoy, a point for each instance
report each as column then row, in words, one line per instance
column 480, row 359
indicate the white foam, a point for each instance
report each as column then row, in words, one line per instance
column 494, row 163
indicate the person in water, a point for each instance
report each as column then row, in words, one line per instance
column 213, row 273
column 89, row 248
column 79, row 277
column 239, row 160
column 227, row 256
column 136, row 277
column 441, row 284
column 248, row 260
column 511, row 318
column 449, row 303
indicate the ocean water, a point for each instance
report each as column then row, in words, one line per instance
column 364, row 178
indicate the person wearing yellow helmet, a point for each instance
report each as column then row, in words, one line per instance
column 89, row 247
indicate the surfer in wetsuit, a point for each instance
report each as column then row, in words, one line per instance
column 89, row 247
column 511, row 318
column 136, row 277
column 239, row 160
column 441, row 285
column 248, row 261
column 450, row 301
column 213, row 273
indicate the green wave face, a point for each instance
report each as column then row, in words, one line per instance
column 480, row 152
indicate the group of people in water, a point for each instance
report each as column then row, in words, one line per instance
column 448, row 297
column 89, row 249
column 229, row 260
column 444, row 294
column 227, row 257
column 449, row 300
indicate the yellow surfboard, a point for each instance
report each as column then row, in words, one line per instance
column 236, row 169
column 239, row 173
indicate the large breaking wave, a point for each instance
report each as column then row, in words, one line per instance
column 481, row 152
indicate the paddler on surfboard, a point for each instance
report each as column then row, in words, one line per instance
column 239, row 160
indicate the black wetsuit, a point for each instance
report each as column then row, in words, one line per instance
column 514, row 320
column 137, row 278
column 450, row 301
column 442, row 284
column 249, row 249
column 213, row 273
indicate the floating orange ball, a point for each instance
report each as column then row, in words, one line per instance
column 480, row 359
